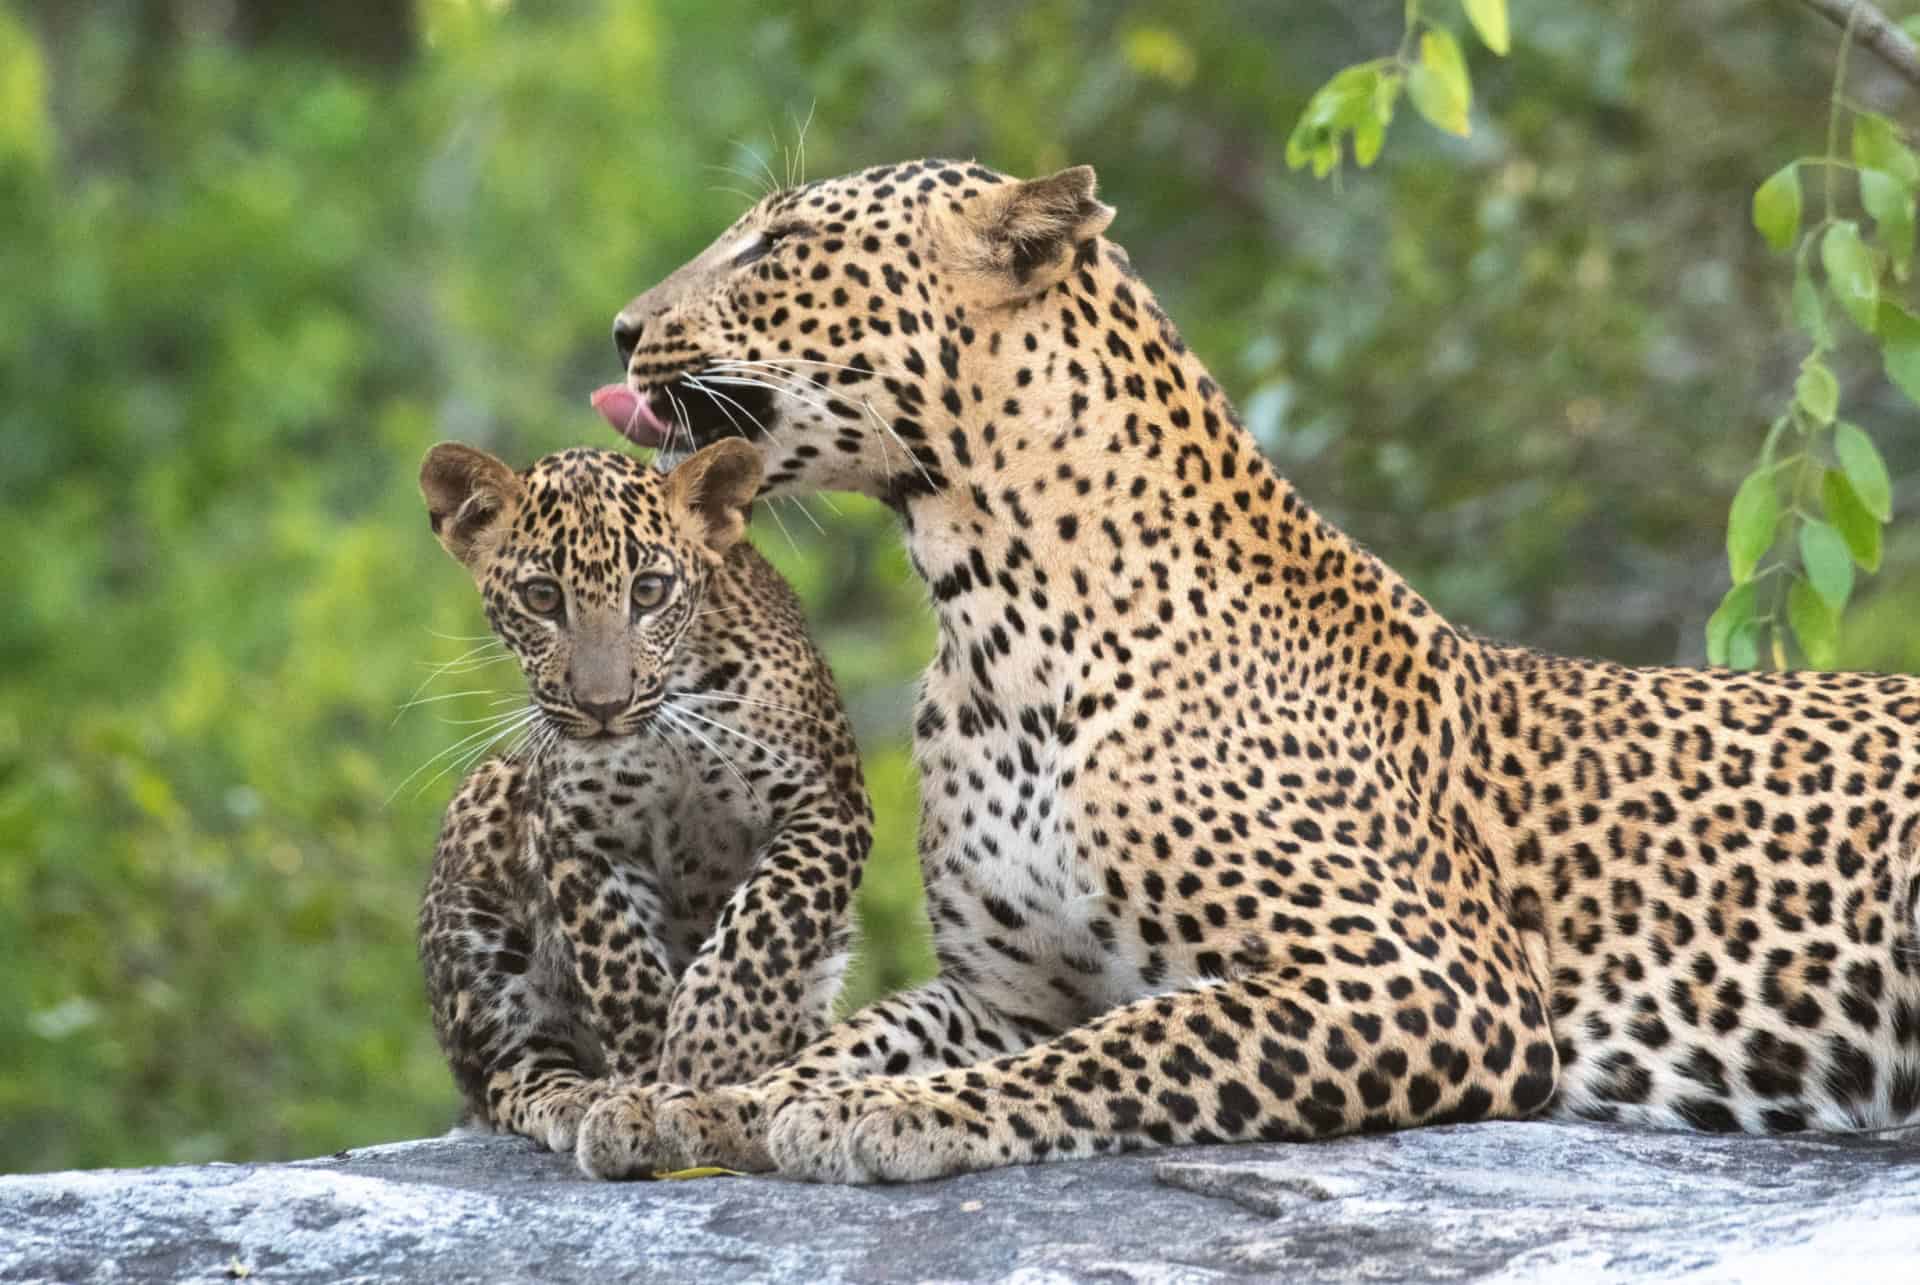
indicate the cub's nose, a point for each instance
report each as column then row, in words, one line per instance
column 626, row 337
column 603, row 711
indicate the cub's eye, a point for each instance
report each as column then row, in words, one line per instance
column 542, row 596
column 649, row 592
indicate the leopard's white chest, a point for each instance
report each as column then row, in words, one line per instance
column 1011, row 894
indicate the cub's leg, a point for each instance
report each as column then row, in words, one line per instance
column 504, row 1003
column 1292, row 1053
column 762, row 986
column 607, row 917
column 636, row 1130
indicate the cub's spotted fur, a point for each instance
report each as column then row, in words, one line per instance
column 1226, row 833
column 660, row 886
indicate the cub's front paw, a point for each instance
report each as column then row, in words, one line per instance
column 617, row 1137
column 550, row 1117
column 559, row 1124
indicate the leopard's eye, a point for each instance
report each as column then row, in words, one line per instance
column 542, row 596
column 649, row 591
column 762, row 245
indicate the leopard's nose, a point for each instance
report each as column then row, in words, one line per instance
column 626, row 337
column 603, row 711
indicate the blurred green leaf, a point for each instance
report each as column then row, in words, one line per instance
column 1850, row 273
column 1743, row 647
column 1438, row 83
column 1817, row 391
column 1159, row 51
column 1814, row 625
column 1829, row 563
column 1890, row 202
column 1347, row 102
column 1489, row 18
column 1776, row 207
column 1859, row 528
column 1735, row 613
column 1877, row 146
column 1756, row 508
column 1865, row 470
column 1385, row 94
column 25, row 132
column 1899, row 332
column 1368, row 136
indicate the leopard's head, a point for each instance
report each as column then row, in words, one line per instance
column 592, row 565
column 843, row 327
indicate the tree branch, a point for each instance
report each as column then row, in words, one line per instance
column 1871, row 28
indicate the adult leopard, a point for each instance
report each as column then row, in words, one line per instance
column 661, row 884
column 1226, row 833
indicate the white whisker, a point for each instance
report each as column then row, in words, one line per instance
column 800, row 142
column 670, row 718
column 775, row 515
column 759, row 702
column 743, row 382
column 776, row 755
column 448, row 696
column 805, row 512
column 696, row 381
column 865, row 405
column 506, row 725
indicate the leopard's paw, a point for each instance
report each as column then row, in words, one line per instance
column 724, row 1126
column 562, row 1123
column 869, row 1134
column 617, row 1137
column 552, row 1118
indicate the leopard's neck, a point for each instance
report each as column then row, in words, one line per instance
column 1104, row 518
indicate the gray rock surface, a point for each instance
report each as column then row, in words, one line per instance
column 1502, row 1202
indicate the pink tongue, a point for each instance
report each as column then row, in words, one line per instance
column 629, row 414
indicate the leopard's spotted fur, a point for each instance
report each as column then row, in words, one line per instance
column 660, row 885
column 1226, row 833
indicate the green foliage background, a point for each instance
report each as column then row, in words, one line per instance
column 256, row 258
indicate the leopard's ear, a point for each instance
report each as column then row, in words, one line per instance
column 714, row 487
column 470, row 497
column 1023, row 236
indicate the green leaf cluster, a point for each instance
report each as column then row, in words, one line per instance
column 1830, row 487
column 1358, row 103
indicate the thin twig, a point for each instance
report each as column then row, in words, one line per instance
column 1873, row 29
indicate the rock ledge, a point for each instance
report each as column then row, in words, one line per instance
column 1502, row 1202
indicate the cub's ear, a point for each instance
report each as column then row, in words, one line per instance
column 470, row 495
column 1023, row 235
column 714, row 487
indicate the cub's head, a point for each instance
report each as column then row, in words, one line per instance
column 592, row 565
column 851, row 327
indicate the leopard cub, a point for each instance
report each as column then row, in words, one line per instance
column 658, row 887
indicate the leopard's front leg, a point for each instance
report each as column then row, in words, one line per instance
column 639, row 1129
column 762, row 987
column 1288, row 1055
column 604, row 914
